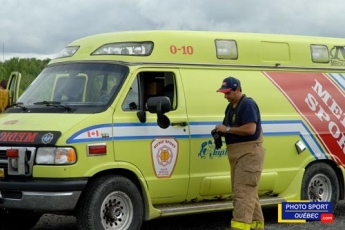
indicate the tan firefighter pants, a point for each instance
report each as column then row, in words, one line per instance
column 246, row 160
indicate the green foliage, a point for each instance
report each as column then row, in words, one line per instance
column 28, row 67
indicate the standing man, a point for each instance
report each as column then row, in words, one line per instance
column 243, row 136
column 4, row 93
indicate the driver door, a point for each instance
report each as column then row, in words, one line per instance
column 161, row 155
column 13, row 87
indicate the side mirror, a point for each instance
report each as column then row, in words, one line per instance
column 160, row 105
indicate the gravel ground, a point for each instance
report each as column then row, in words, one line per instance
column 210, row 221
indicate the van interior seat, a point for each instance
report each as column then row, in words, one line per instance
column 168, row 91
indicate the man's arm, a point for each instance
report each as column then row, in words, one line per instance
column 243, row 130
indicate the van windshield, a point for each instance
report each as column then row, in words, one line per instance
column 76, row 84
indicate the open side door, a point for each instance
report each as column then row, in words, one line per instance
column 13, row 87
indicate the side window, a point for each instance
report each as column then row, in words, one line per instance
column 150, row 84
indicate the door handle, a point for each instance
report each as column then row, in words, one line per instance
column 179, row 123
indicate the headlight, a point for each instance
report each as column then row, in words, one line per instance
column 59, row 156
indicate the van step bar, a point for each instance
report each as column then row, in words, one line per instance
column 208, row 206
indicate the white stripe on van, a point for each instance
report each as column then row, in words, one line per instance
column 135, row 131
column 296, row 128
column 339, row 78
column 274, row 128
column 126, row 131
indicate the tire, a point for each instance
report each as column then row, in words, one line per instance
column 320, row 184
column 110, row 202
column 15, row 220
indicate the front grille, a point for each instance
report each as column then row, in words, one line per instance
column 3, row 159
column 3, row 155
column 21, row 165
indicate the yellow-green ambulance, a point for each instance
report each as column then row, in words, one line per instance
column 116, row 130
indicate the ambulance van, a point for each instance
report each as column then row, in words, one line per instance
column 116, row 130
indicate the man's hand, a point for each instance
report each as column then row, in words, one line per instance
column 220, row 128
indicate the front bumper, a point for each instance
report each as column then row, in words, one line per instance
column 41, row 195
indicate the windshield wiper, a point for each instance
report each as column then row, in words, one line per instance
column 19, row 104
column 56, row 104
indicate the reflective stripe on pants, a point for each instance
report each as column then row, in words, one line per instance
column 257, row 225
column 235, row 225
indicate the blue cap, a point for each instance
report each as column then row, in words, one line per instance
column 229, row 83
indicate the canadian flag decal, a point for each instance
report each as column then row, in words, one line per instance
column 321, row 103
column 93, row 133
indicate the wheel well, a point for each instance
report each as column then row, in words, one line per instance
column 122, row 172
column 338, row 172
column 125, row 173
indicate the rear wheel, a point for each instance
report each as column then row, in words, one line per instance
column 15, row 219
column 111, row 202
column 320, row 184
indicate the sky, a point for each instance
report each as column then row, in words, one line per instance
column 42, row 28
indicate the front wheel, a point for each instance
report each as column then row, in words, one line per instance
column 320, row 184
column 110, row 202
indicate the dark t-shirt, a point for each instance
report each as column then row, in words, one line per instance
column 245, row 112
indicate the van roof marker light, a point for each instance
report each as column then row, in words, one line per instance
column 226, row 49
column 125, row 48
column 319, row 53
column 68, row 51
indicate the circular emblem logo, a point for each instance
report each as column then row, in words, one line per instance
column 47, row 138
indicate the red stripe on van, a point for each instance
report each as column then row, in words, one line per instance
column 321, row 103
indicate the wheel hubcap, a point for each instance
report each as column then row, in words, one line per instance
column 320, row 188
column 117, row 211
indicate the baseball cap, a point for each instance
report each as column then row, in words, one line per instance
column 229, row 83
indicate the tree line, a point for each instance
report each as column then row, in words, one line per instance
column 28, row 67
